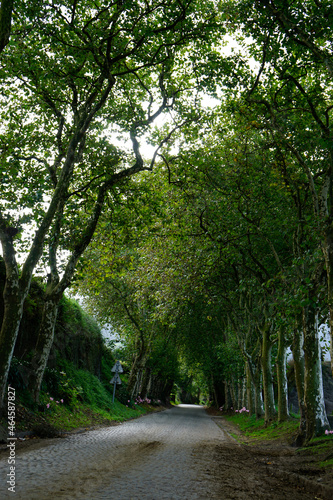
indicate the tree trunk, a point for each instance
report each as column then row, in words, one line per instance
column 298, row 355
column 43, row 345
column 250, row 392
column 146, row 382
column 13, row 310
column 254, row 384
column 55, row 290
column 6, row 9
column 233, row 393
column 228, row 403
column 315, row 413
column 240, row 394
column 266, row 364
column 14, row 294
column 327, row 246
column 134, row 380
column 281, row 366
column 244, row 393
column 258, row 401
column 17, row 287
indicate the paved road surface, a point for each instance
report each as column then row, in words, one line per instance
column 164, row 455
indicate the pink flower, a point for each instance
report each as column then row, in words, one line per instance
column 51, row 399
column 61, row 400
column 48, row 405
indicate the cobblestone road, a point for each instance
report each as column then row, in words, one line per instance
column 163, row 455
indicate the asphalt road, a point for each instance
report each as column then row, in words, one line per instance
column 164, row 455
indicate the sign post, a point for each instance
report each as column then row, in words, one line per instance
column 116, row 379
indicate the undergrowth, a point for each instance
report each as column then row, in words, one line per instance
column 255, row 432
column 255, row 429
column 72, row 398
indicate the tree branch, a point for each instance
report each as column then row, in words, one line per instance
column 6, row 9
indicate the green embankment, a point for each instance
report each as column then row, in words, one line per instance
column 254, row 432
column 76, row 390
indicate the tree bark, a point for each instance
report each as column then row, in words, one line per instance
column 298, row 355
column 266, row 364
column 250, row 392
column 134, row 379
column 255, row 386
column 146, row 381
column 14, row 294
column 281, row 365
column 315, row 413
column 327, row 246
column 259, row 404
column 254, row 381
column 228, row 403
column 13, row 310
column 43, row 345
column 6, row 9
column 233, row 393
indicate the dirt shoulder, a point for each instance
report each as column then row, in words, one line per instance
column 310, row 468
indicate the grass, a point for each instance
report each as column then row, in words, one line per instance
column 256, row 431
column 62, row 417
column 326, row 464
column 65, row 418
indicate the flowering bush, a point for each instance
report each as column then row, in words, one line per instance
column 139, row 400
column 52, row 404
column 242, row 410
column 70, row 392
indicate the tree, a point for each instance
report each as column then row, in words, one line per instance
column 285, row 98
column 117, row 68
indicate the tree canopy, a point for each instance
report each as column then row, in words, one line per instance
column 217, row 251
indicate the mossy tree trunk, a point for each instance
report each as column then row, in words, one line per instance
column 43, row 346
column 15, row 292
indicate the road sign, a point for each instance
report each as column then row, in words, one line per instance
column 115, row 379
column 117, row 368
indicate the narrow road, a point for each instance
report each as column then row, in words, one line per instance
column 163, row 455
column 178, row 454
